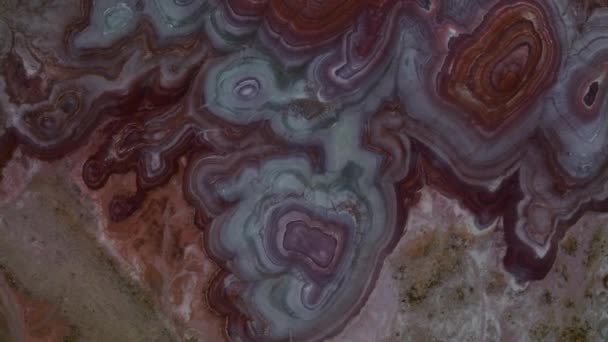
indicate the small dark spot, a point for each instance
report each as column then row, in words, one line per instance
column 588, row 293
column 605, row 281
column 460, row 295
column 591, row 94
column 570, row 246
column 122, row 207
column 69, row 103
column 546, row 298
column 95, row 173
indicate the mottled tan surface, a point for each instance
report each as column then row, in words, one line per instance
column 47, row 244
column 446, row 283
column 24, row 319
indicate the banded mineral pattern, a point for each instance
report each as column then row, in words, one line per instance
column 266, row 155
